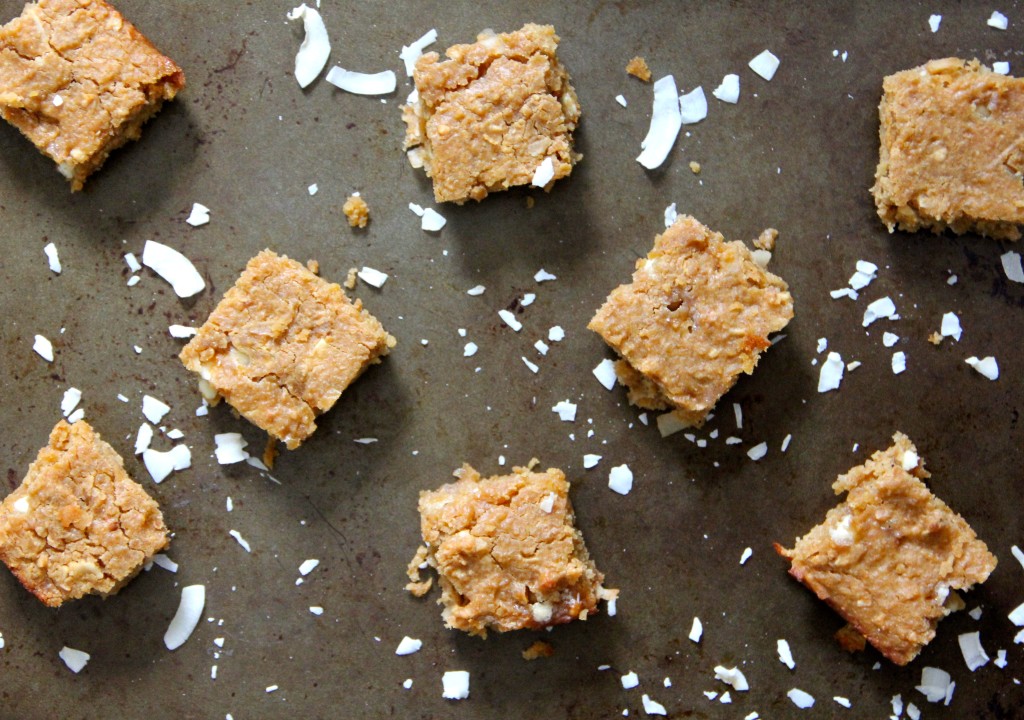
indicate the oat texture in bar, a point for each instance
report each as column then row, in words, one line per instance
column 78, row 524
column 891, row 557
column 697, row 314
column 952, row 150
column 282, row 346
column 79, row 81
column 487, row 117
column 507, row 552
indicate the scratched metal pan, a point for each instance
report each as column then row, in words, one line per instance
column 797, row 153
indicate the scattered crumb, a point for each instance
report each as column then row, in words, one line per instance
column 695, row 167
column 935, row 339
column 637, row 67
column 313, row 266
column 539, row 649
column 849, row 639
column 356, row 210
column 350, row 279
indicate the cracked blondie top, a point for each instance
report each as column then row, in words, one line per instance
column 79, row 81
column 697, row 314
column 890, row 557
column 507, row 552
column 282, row 346
column 78, row 524
column 952, row 150
column 487, row 117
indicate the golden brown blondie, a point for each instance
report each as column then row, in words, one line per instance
column 282, row 346
column 78, row 524
column 507, row 552
column 79, row 81
column 487, row 117
column 697, row 314
column 890, row 558
column 952, row 150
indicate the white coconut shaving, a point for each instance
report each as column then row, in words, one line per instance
column 1017, row 615
column 935, row 684
column 533, row 367
column 476, row 290
column 729, row 90
column 801, row 699
column 785, row 653
column 693, row 106
column 43, row 347
column 605, row 373
column 133, row 263
column 696, row 630
column 72, row 396
column 899, row 362
column 831, row 374
column 844, row 702
column 765, row 64
column 933, row 22
column 230, row 448
column 542, row 347
column 998, row 21
column 590, row 461
column 455, row 685
column 844, row 292
column 1012, row 266
column 1019, row 554
column 50, row 250
column 181, row 331
column 154, row 409
column 408, row 645
column 556, row 333
column 358, row 83
column 190, row 610
column 240, row 540
column 970, row 647
column 669, row 424
column 547, row 503
column 316, row 46
column 665, row 124
column 173, row 267
column 510, row 319
column 758, row 451
column 671, row 214
column 161, row 464
column 910, row 460
column 432, row 220
column 566, row 410
column 652, row 707
column 620, row 479
column 986, row 366
column 411, row 53
column 889, row 339
column 951, row 326
column 733, row 677
column 880, row 308
column 543, row 275
column 621, row 100
column 74, row 659
column 630, row 680
column 544, row 173
column 165, row 562
column 470, row 349
column 200, row 215
column 1001, row 68
column 143, row 438
column 373, row 277
column 865, row 273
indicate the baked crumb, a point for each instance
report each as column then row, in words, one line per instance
column 697, row 314
column 695, row 167
column 491, row 114
column 416, row 585
column 357, row 211
column 530, row 202
column 270, row 452
column 282, row 346
column 539, row 649
column 313, row 266
column 351, row 277
column 849, row 639
column 766, row 240
column 78, row 524
column 79, row 81
column 507, row 553
column 935, row 338
column 890, row 557
column 637, row 67
column 951, row 155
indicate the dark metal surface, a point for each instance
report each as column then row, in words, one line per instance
column 797, row 154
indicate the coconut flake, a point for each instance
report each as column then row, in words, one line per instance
column 316, row 46
column 230, row 448
column 173, row 267
column 669, row 424
column 652, row 707
column 542, row 347
column 785, row 654
column 620, row 479
column 951, row 326
column 530, row 365
column 1001, row 68
column 986, row 366
column 241, row 540
column 933, row 22
column 72, row 396
column 556, row 333
column 746, row 555
column 732, row 676
column 432, row 220
column 910, row 460
column 693, row 106
column 182, row 331
column 470, row 349
column 510, row 320
column 543, row 275
column 161, row 464
column 844, row 292
column 729, row 90
column 620, row 100
column 411, row 53
column 758, row 451
column 880, row 308
column 899, row 362
column 629, row 681
column 50, row 250
column 154, row 409
column 590, row 461
column 359, row 83
column 998, row 21
column 143, row 438
column 605, row 373
column 765, row 64
column 476, row 290
column 1017, row 615
column 670, row 215
column 970, row 647
column 455, row 684
column 43, row 347
column 800, row 698
column 831, row 374
column 132, row 262
column 74, row 659
column 1012, row 266
column 165, row 562
column 889, row 339
column 1019, row 554
column 696, row 630
column 528, row 299
column 665, row 123
column 408, row 645
column 372, row 277
column 190, row 609
column 200, row 215
column 566, row 411
column 840, row 700
column 841, row 534
column 865, row 273
column 935, row 684
column 544, row 173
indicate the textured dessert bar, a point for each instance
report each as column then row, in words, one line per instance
column 891, row 556
column 697, row 314
column 282, row 346
column 487, row 117
column 79, row 81
column 952, row 150
column 78, row 524
column 507, row 552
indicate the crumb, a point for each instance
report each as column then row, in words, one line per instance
column 695, row 167
column 539, row 649
column 935, row 338
column 313, row 266
column 637, row 67
column 270, row 452
column 766, row 240
column 416, row 585
column 357, row 211
column 530, row 202
column 350, row 279
column 849, row 639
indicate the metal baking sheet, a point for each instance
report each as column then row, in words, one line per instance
column 797, row 153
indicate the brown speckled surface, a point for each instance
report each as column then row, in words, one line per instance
column 797, row 154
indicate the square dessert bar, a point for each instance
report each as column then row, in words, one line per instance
column 491, row 114
column 952, row 150
column 78, row 524
column 282, row 346
column 507, row 552
column 79, row 81
column 890, row 557
column 697, row 314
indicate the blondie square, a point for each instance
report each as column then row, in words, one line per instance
column 78, row 524
column 492, row 114
column 890, row 557
column 282, row 346
column 697, row 314
column 79, row 81
column 507, row 552
column 952, row 150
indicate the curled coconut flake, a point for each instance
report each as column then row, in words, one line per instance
column 970, row 647
column 161, row 464
column 359, row 83
column 732, row 676
column 693, row 106
column 181, row 331
column 432, row 220
column 665, row 124
column 411, row 53
column 315, row 48
column 230, row 448
column 52, row 258
column 605, row 373
column 190, row 609
column 72, row 396
column 43, row 347
column 544, row 173
column 200, row 215
column 986, row 366
column 173, row 267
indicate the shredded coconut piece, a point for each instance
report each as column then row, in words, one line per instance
column 1017, row 615
column 733, row 677
column 729, row 90
column 556, row 334
column 411, row 53
column 74, row 659
column 696, row 630
column 758, row 451
column 190, row 609
column 532, row 366
column 133, row 264
column 652, row 707
column 528, row 299
column 1012, row 266
column 1019, row 554
column 241, row 540
column 476, row 290
column 200, row 215
column 161, row 464
column 831, row 374
column 899, row 362
column 693, row 106
column 933, row 22
column 173, row 267
column 620, row 100
column 72, row 396
column 43, row 347
column 358, row 83
column 510, row 320
column 182, row 331
column 590, row 461
column 881, row 308
column 866, row 272
column 154, row 409
column 998, row 21
column 543, row 275
column 970, row 647
column 746, row 555
column 800, row 698
column 670, row 215
column 765, row 64
column 951, row 326
column 544, row 173
column 165, row 562
column 935, row 684
column 620, row 479
column 372, row 277
column 785, row 442
column 50, row 250
column 844, row 292
column 889, row 339
column 986, row 366
column 665, row 124
column 455, row 685
column 432, row 220
column 629, row 680
column 408, row 645
column 605, row 373
column 143, row 438
column 316, row 46
column 230, row 448
column 1001, row 68
column 840, row 700
column 542, row 347
column 470, row 349
column 566, row 410
column 785, row 654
